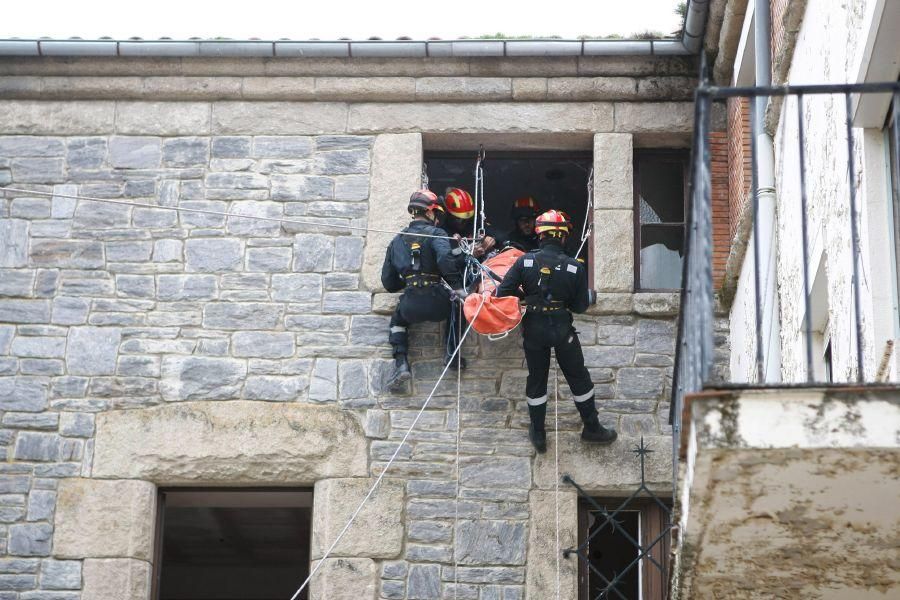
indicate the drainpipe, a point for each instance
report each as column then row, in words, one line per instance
column 765, row 160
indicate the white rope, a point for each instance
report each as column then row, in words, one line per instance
column 478, row 225
column 458, row 436
column 217, row 213
column 391, row 461
column 556, row 451
column 588, row 226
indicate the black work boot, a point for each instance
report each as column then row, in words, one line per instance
column 536, row 431
column 400, row 375
column 455, row 361
column 594, row 432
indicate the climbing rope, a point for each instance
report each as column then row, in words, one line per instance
column 217, row 213
column 478, row 225
column 588, row 225
column 456, row 495
column 556, row 451
column 391, row 460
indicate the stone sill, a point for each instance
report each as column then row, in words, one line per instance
column 657, row 304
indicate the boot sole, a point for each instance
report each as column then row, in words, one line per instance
column 599, row 442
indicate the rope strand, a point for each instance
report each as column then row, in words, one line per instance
column 556, row 451
column 219, row 213
column 391, row 460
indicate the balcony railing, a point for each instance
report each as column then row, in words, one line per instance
column 807, row 157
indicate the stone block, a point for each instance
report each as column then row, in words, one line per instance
column 191, row 220
column 345, row 579
column 342, row 162
column 241, row 315
column 424, row 582
column 10, row 584
column 297, row 287
column 286, row 146
column 378, row 530
column 7, row 332
column 93, row 350
column 654, row 117
column 86, row 152
column 39, row 347
column 41, row 505
column 302, row 187
column 16, row 283
column 347, row 302
column 131, row 251
column 213, row 255
column 342, row 142
column 274, row 388
column 269, row 260
column 313, row 252
column 613, row 170
column 13, row 243
column 231, row 147
column 76, row 424
column 430, row 532
column 186, row 287
column 640, row 382
column 490, row 542
column 351, row 188
column 30, row 145
column 231, row 443
column 116, row 579
column 37, row 447
column 58, row 117
column 67, row 254
column 161, row 118
column 135, row 286
column 656, row 336
column 613, row 250
column 278, row 118
column 154, row 218
column 496, row 472
column 90, row 215
column 348, row 254
column 26, row 394
column 17, row 420
column 105, row 519
column 201, row 377
column 38, row 170
column 609, row 469
column 354, row 380
column 262, row 344
column 240, row 181
column 24, row 311
column 134, row 152
column 31, row 539
column 185, row 152
column 61, row 574
column 369, row 330
column 608, row 356
column 30, row 208
column 323, row 385
column 541, row 565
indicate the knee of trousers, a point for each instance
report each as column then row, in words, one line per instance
column 398, row 336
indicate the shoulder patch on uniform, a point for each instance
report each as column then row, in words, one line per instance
column 572, row 268
column 528, row 262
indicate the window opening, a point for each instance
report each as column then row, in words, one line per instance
column 829, row 366
column 215, row 544
column 660, row 201
column 556, row 180
column 610, row 551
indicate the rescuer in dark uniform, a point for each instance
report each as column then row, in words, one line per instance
column 553, row 284
column 524, row 211
column 416, row 264
column 460, row 218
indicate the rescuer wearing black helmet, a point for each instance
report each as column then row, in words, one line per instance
column 552, row 286
column 416, row 264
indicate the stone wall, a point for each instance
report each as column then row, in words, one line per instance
column 115, row 316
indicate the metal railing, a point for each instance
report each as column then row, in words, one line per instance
column 695, row 360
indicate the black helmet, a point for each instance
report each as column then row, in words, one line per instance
column 423, row 200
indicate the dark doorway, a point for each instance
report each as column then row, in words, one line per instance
column 555, row 179
column 232, row 544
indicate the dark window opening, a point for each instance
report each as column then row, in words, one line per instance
column 829, row 364
column 660, row 198
column 610, row 551
column 232, row 544
column 557, row 180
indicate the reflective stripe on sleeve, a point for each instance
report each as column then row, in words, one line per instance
column 398, row 329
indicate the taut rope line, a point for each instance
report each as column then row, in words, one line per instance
column 391, row 461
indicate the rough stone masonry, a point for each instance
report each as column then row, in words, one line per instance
column 141, row 347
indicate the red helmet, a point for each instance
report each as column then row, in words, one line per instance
column 525, row 207
column 423, row 200
column 552, row 221
column 567, row 218
column 459, row 203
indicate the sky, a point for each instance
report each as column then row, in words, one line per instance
column 331, row 19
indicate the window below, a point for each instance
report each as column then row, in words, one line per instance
column 555, row 180
column 232, row 544
column 612, row 550
column 660, row 198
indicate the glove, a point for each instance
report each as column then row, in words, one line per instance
column 592, row 297
column 461, row 293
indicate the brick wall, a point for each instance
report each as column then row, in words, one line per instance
column 777, row 31
column 720, row 208
column 739, row 175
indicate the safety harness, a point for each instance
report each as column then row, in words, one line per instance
column 416, row 277
column 543, row 301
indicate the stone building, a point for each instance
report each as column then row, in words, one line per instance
column 193, row 404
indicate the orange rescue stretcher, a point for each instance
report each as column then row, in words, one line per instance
column 497, row 316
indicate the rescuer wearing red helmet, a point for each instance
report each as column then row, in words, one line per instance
column 416, row 264
column 460, row 220
column 524, row 211
column 552, row 286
